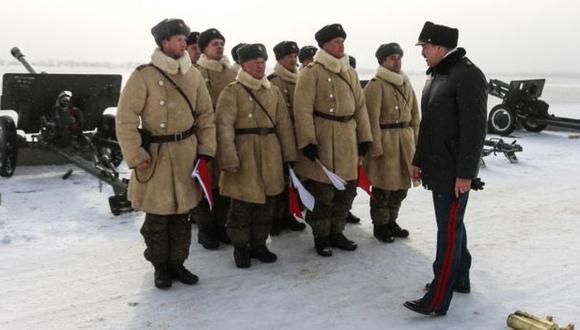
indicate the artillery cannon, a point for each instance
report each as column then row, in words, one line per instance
column 63, row 114
column 521, row 106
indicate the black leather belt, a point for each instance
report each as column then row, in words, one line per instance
column 403, row 124
column 342, row 119
column 173, row 137
column 256, row 130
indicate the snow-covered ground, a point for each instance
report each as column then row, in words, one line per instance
column 66, row 262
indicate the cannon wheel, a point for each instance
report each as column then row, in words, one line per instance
column 107, row 130
column 501, row 120
column 8, row 146
column 532, row 125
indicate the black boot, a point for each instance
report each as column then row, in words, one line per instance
column 396, row 230
column 351, row 218
column 180, row 273
column 221, row 234
column 275, row 229
column 206, row 237
column 340, row 241
column 242, row 257
column 322, row 245
column 162, row 277
column 383, row 234
column 262, row 253
column 418, row 306
column 290, row 223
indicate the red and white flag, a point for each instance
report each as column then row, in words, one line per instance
column 201, row 173
column 363, row 181
column 293, row 204
column 305, row 197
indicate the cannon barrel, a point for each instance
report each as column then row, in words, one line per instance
column 20, row 57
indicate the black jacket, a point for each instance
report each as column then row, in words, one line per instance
column 453, row 124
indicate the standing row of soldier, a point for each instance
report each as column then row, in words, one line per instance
column 257, row 127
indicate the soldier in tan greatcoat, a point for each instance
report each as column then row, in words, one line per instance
column 332, row 127
column 255, row 139
column 306, row 56
column 215, row 69
column 236, row 65
column 161, row 183
column 394, row 116
column 284, row 77
column 193, row 48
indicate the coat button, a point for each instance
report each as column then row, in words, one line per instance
column 329, row 80
column 331, row 110
column 250, row 99
column 162, row 125
column 160, row 82
column 396, row 107
column 286, row 91
column 331, row 96
column 250, row 115
column 161, row 102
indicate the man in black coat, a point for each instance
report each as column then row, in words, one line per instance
column 451, row 135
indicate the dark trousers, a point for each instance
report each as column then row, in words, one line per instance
column 249, row 224
column 207, row 219
column 330, row 208
column 167, row 238
column 385, row 205
column 453, row 260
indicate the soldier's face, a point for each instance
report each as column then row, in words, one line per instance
column 255, row 67
column 393, row 63
column 335, row 47
column 174, row 46
column 194, row 52
column 215, row 49
column 433, row 54
column 289, row 62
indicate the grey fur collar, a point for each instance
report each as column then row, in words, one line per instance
column 235, row 67
column 394, row 78
column 286, row 75
column 330, row 62
column 213, row 65
column 255, row 84
column 171, row 65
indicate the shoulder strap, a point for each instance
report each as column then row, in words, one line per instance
column 398, row 91
column 178, row 89
column 341, row 77
column 259, row 103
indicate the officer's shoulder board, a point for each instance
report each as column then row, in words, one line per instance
column 467, row 62
column 233, row 83
column 272, row 76
column 142, row 66
column 310, row 65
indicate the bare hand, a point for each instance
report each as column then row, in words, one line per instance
column 233, row 169
column 144, row 165
column 416, row 173
column 462, row 186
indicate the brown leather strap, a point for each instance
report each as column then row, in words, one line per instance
column 256, row 130
column 403, row 124
column 342, row 119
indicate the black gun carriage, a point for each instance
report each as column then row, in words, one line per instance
column 63, row 114
column 521, row 106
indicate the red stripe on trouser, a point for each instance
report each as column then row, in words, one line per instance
column 448, row 260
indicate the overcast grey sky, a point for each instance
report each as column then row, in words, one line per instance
column 499, row 35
